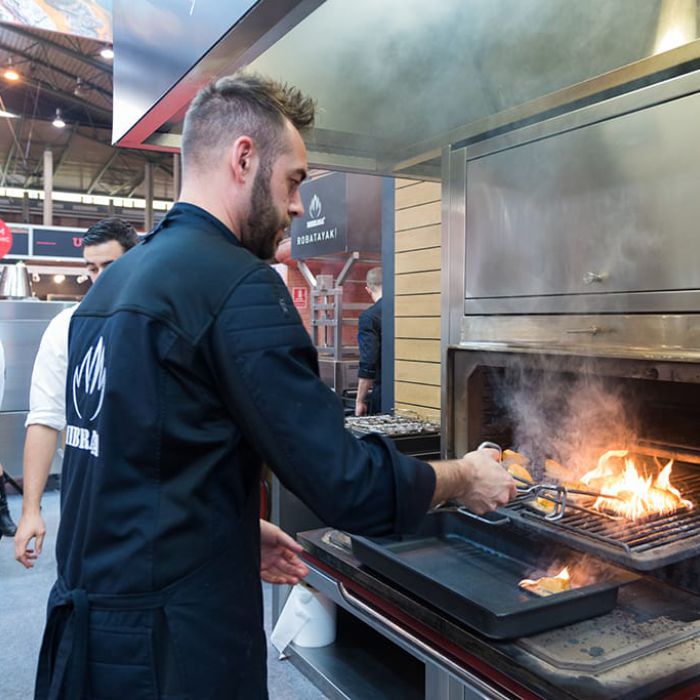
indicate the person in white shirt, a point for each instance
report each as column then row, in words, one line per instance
column 103, row 243
column 7, row 525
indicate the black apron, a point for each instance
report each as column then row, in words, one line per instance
column 162, row 645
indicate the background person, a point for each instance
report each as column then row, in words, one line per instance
column 103, row 243
column 189, row 366
column 369, row 340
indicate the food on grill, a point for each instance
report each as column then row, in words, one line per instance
column 513, row 456
column 516, row 464
column 543, row 505
column 556, row 471
column 548, row 585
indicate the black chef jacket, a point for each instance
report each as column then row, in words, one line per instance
column 369, row 340
column 189, row 366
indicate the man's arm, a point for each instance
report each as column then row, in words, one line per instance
column 364, row 386
column 476, row 481
column 265, row 364
column 39, row 449
column 46, row 419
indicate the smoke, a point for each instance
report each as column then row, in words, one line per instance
column 400, row 71
column 569, row 417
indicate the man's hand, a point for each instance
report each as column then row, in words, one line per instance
column 360, row 408
column 477, row 481
column 31, row 526
column 279, row 560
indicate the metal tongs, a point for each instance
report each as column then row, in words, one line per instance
column 527, row 490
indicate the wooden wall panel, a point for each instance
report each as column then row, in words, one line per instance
column 418, row 238
column 418, row 283
column 409, row 327
column 417, row 305
column 421, row 372
column 425, row 412
column 414, row 217
column 417, row 260
column 417, row 349
column 417, row 300
column 413, row 196
column 417, row 394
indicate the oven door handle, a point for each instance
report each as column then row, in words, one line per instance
column 475, row 683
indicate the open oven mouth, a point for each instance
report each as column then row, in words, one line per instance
column 572, row 409
column 644, row 544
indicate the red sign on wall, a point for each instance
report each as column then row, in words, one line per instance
column 300, row 297
column 5, row 239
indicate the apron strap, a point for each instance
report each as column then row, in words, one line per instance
column 67, row 676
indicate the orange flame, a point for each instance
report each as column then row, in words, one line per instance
column 547, row 585
column 630, row 493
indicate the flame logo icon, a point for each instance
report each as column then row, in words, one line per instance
column 315, row 207
column 89, row 382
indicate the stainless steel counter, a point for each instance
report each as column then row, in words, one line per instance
column 22, row 323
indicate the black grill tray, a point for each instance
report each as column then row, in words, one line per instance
column 471, row 572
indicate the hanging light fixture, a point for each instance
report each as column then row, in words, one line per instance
column 58, row 120
column 107, row 52
column 11, row 73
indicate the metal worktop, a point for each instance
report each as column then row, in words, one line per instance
column 647, row 646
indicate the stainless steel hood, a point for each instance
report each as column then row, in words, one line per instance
column 398, row 80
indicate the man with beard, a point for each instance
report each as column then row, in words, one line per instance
column 189, row 366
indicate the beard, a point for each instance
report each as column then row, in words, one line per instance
column 264, row 227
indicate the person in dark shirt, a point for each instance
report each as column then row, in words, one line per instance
column 369, row 340
column 188, row 367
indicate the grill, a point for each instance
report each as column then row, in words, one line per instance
column 642, row 545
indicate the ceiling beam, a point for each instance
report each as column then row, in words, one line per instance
column 39, row 62
column 103, row 170
column 8, row 163
column 104, row 116
column 59, row 47
column 64, row 153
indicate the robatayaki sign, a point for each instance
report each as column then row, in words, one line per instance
column 323, row 228
column 342, row 213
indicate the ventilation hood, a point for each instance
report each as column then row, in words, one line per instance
column 397, row 80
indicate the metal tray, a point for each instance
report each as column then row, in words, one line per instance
column 471, row 572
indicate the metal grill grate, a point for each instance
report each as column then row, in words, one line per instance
column 646, row 544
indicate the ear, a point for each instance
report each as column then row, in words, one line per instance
column 243, row 158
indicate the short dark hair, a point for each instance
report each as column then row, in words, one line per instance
column 374, row 278
column 111, row 229
column 242, row 105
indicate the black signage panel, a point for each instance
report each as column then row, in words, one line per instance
column 57, row 243
column 20, row 241
column 323, row 228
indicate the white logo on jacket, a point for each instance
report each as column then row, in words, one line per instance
column 88, row 387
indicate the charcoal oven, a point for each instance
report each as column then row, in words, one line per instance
column 570, row 327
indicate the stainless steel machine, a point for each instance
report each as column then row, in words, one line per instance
column 22, row 323
column 570, row 328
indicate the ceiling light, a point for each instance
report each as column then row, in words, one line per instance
column 9, row 115
column 58, row 120
column 11, row 73
column 59, row 279
column 107, row 52
column 79, row 89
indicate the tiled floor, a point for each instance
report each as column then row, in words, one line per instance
column 23, row 597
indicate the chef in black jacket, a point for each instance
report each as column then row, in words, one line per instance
column 369, row 340
column 189, row 366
